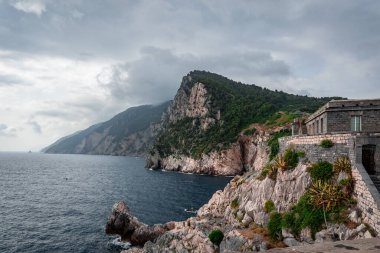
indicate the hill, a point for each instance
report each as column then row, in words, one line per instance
column 209, row 111
column 128, row 133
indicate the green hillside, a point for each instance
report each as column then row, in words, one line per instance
column 239, row 104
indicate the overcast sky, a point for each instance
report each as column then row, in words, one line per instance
column 65, row 65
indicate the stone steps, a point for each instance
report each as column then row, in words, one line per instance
column 376, row 181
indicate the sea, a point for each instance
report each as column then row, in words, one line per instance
column 60, row 203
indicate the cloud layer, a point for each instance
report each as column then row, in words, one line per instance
column 67, row 64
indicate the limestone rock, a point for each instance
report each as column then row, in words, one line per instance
column 291, row 242
column 130, row 229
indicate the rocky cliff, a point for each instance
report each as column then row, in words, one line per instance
column 204, row 128
column 273, row 205
column 129, row 133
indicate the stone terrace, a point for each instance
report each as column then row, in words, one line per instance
column 365, row 192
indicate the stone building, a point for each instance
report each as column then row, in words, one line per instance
column 360, row 118
column 345, row 116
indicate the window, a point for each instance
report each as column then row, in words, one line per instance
column 317, row 126
column 322, row 126
column 356, row 123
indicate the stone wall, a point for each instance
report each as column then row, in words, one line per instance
column 310, row 145
column 366, row 194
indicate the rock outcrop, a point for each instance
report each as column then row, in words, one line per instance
column 130, row 229
column 239, row 211
column 250, row 194
column 247, row 154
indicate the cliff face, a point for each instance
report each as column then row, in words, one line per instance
column 240, row 212
column 128, row 133
column 250, row 194
column 203, row 130
column 244, row 155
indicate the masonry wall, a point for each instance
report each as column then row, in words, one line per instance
column 310, row 145
column 340, row 121
column 366, row 194
column 367, row 197
column 364, row 140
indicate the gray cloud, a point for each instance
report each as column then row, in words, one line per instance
column 157, row 74
column 36, row 7
column 5, row 131
column 35, row 126
column 10, row 80
column 81, row 62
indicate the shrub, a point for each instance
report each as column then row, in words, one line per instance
column 304, row 214
column 280, row 163
column 321, row 171
column 235, row 203
column 342, row 164
column 326, row 143
column 291, row 158
column 216, row 236
column 301, row 154
column 289, row 221
column 269, row 170
column 269, row 206
column 326, row 195
column 249, row 131
column 274, row 226
column 274, row 144
column 346, row 186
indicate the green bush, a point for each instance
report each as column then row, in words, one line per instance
column 274, row 226
column 326, row 143
column 321, row 171
column 235, row 203
column 301, row 154
column 269, row 206
column 291, row 158
column 273, row 143
column 270, row 171
column 249, row 131
column 216, row 236
column 304, row 214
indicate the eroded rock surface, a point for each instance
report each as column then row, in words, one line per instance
column 130, row 229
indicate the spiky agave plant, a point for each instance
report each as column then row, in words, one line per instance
column 325, row 194
column 342, row 163
column 280, row 163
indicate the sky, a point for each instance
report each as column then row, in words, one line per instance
column 65, row 65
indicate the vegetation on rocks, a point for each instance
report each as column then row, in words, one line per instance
column 216, row 236
column 325, row 194
column 274, row 226
column 342, row 164
column 249, row 132
column 238, row 106
column 269, row 170
column 326, row 143
column 235, row 203
column 327, row 200
column 269, row 206
column 273, row 143
column 321, row 171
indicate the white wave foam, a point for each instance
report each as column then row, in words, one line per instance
column 117, row 243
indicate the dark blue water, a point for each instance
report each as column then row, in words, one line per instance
column 60, row 203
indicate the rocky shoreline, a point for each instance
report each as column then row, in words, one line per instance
column 239, row 211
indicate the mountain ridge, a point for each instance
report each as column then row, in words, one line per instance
column 127, row 133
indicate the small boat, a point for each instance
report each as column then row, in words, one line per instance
column 190, row 210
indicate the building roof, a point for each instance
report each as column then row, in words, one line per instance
column 346, row 105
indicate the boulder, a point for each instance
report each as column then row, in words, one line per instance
column 291, row 242
column 123, row 223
